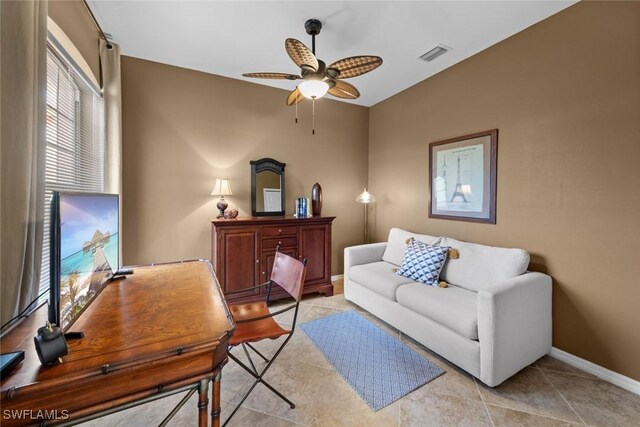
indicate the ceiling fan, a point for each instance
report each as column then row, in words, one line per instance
column 317, row 78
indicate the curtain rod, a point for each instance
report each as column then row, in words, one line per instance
column 95, row 21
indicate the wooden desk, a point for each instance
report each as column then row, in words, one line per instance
column 162, row 330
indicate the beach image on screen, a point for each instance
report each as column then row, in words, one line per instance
column 88, row 249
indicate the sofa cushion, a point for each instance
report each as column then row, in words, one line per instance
column 379, row 277
column 453, row 307
column 397, row 244
column 423, row 262
column 479, row 266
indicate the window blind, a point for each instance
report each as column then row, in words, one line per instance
column 75, row 152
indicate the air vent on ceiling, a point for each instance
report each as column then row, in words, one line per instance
column 434, row 53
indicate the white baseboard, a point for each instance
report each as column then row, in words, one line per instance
column 337, row 277
column 613, row 377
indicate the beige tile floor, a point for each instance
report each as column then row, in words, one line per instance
column 547, row 393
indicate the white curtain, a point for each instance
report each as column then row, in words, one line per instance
column 23, row 41
column 112, row 92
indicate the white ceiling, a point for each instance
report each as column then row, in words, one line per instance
column 229, row 38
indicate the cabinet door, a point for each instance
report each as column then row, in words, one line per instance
column 267, row 264
column 315, row 245
column 239, row 260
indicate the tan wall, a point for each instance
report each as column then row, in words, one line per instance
column 182, row 129
column 565, row 95
column 74, row 19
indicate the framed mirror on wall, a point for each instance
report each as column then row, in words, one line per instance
column 267, row 187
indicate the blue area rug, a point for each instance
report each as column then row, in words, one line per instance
column 377, row 366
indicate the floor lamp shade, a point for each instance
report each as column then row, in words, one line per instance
column 366, row 198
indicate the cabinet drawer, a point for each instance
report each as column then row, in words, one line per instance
column 279, row 231
column 283, row 242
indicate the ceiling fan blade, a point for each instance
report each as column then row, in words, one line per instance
column 356, row 65
column 300, row 54
column 272, row 76
column 294, row 97
column 344, row 90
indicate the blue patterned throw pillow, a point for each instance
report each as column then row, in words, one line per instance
column 423, row 262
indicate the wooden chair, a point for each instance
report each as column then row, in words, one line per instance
column 254, row 322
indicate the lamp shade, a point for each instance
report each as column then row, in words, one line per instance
column 222, row 187
column 313, row 89
column 365, row 197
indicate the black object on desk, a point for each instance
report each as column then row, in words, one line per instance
column 50, row 344
column 10, row 361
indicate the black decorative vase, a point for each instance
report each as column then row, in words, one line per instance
column 316, row 200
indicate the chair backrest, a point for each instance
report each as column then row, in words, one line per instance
column 289, row 273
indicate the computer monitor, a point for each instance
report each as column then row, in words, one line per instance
column 84, row 233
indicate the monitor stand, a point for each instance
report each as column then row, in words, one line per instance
column 121, row 273
column 73, row 335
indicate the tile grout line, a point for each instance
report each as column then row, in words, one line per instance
column 562, row 396
column 573, row 374
column 231, row 400
column 532, row 413
column 334, row 308
column 484, row 404
column 539, row 414
column 271, row 415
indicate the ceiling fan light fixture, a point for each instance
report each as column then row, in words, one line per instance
column 313, row 89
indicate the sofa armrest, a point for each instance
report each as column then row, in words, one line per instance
column 363, row 254
column 514, row 325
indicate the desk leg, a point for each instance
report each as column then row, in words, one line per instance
column 215, row 400
column 203, row 403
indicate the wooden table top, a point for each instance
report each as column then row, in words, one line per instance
column 159, row 310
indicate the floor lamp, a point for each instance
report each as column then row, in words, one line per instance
column 366, row 198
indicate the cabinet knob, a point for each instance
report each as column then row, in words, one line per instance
column 279, row 243
column 257, row 261
column 264, row 272
column 280, row 230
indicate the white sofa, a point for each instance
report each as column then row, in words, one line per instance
column 493, row 320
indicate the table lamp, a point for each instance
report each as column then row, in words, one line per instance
column 222, row 188
column 366, row 198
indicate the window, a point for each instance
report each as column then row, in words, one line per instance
column 75, row 155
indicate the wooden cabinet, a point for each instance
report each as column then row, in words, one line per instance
column 312, row 246
column 240, row 266
column 243, row 250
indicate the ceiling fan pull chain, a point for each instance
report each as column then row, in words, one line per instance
column 296, row 112
column 313, row 120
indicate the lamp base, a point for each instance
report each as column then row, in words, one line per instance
column 222, row 206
